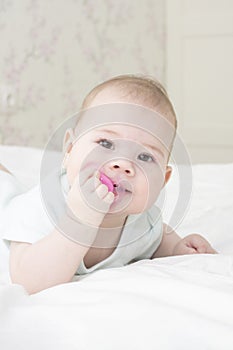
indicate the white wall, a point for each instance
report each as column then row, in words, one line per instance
column 199, row 75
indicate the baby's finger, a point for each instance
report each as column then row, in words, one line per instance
column 182, row 249
column 109, row 198
column 91, row 184
column 202, row 249
column 86, row 174
column 190, row 250
column 102, row 190
column 210, row 250
column 202, row 245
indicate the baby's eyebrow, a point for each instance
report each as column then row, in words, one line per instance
column 156, row 149
column 108, row 131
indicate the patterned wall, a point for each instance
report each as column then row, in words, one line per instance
column 54, row 51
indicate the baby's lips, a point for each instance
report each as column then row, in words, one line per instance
column 106, row 181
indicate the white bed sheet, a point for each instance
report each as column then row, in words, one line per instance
column 181, row 302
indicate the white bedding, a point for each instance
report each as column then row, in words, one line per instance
column 181, row 302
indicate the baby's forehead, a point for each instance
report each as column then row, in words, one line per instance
column 128, row 119
column 121, row 130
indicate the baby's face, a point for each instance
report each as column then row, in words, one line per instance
column 134, row 160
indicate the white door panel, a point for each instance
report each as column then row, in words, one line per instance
column 200, row 75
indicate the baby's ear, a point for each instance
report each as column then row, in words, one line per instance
column 167, row 174
column 67, row 146
column 68, row 140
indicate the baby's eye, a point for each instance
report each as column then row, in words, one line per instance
column 106, row 143
column 146, row 157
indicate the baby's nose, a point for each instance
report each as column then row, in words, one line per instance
column 122, row 166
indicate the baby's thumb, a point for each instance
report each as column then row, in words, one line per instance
column 202, row 249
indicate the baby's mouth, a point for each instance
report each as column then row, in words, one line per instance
column 118, row 189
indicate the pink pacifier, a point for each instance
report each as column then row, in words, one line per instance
column 106, row 181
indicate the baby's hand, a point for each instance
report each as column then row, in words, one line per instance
column 193, row 244
column 89, row 200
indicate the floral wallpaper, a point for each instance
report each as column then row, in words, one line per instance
column 54, row 51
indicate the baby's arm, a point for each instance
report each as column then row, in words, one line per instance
column 172, row 244
column 169, row 241
column 50, row 261
column 55, row 258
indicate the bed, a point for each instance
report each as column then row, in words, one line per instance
column 180, row 302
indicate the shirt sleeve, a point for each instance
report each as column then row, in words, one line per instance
column 23, row 217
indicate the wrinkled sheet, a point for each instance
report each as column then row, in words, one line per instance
column 182, row 302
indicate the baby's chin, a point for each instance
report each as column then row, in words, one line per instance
column 124, row 207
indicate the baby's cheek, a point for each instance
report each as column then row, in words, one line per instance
column 154, row 186
column 72, row 173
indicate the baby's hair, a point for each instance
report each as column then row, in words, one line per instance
column 144, row 89
column 137, row 87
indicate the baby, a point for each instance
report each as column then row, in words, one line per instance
column 112, row 176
